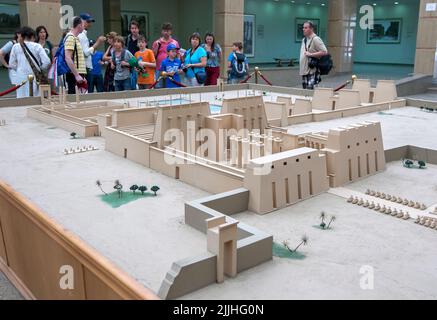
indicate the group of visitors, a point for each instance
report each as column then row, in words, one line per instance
column 126, row 64
column 129, row 64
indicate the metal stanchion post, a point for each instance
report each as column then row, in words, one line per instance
column 256, row 74
column 30, row 78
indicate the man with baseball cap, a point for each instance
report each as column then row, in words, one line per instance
column 88, row 50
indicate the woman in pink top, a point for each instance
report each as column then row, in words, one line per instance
column 159, row 47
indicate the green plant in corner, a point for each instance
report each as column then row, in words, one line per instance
column 73, row 135
column 422, row 164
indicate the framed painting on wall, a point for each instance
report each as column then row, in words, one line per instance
column 9, row 19
column 141, row 17
column 385, row 31
column 299, row 27
column 249, row 35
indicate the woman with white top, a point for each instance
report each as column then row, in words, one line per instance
column 21, row 65
column 5, row 51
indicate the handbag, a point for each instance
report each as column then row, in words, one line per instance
column 200, row 75
column 40, row 75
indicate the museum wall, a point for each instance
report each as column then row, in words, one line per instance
column 401, row 53
column 275, row 34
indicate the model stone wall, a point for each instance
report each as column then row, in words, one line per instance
column 251, row 108
column 354, row 152
column 290, row 176
column 180, row 117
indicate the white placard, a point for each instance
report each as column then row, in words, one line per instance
column 431, row 7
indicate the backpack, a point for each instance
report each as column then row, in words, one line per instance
column 238, row 65
column 122, row 56
column 60, row 66
column 325, row 65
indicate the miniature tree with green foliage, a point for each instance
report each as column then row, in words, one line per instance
column 155, row 189
column 142, row 189
column 322, row 217
column 422, row 164
column 99, row 184
column 73, row 135
column 408, row 163
column 134, row 188
column 333, row 218
column 119, row 187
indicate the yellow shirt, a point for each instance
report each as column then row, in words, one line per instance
column 70, row 41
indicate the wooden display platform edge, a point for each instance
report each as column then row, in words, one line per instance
column 116, row 279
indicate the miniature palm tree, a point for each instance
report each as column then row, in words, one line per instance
column 285, row 243
column 119, row 187
column 323, row 216
column 422, row 164
column 155, row 189
column 142, row 189
column 303, row 242
column 333, row 218
column 73, row 135
column 99, row 184
column 134, row 188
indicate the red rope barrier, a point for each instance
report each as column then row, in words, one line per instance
column 247, row 79
column 177, row 83
column 156, row 82
column 264, row 78
column 12, row 89
column 342, row 86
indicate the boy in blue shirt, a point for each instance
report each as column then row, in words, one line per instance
column 172, row 65
column 238, row 67
column 96, row 77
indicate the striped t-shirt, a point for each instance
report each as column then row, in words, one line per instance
column 70, row 40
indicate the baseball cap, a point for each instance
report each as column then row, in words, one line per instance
column 87, row 17
column 172, row 46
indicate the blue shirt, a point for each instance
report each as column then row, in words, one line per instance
column 171, row 66
column 97, row 68
column 194, row 59
column 213, row 56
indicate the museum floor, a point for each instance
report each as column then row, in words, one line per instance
column 288, row 76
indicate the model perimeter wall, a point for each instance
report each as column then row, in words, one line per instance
column 253, row 246
column 45, row 261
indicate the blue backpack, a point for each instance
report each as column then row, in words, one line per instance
column 59, row 61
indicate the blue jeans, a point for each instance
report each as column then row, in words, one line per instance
column 157, row 75
column 133, row 80
column 95, row 81
column 122, row 85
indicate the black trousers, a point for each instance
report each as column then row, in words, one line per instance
column 71, row 82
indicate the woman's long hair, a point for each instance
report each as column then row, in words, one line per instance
column 209, row 34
